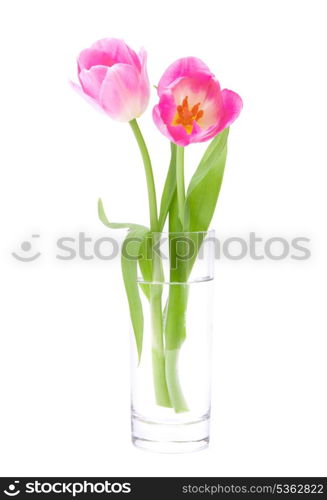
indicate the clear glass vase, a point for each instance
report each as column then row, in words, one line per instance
column 170, row 383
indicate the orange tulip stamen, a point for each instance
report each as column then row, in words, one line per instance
column 186, row 116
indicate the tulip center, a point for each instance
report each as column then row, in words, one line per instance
column 186, row 116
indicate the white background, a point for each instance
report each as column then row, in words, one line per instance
column 64, row 370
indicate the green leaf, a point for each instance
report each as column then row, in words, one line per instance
column 134, row 241
column 129, row 259
column 169, row 188
column 204, row 187
column 115, row 225
column 145, row 263
column 199, row 207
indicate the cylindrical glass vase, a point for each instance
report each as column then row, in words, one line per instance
column 171, row 380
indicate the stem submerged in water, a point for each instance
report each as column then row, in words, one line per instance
column 158, row 352
column 175, row 333
column 174, row 387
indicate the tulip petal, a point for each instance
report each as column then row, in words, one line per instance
column 143, row 57
column 167, row 107
column 202, row 135
column 144, row 74
column 123, row 95
column 87, row 98
column 196, row 88
column 232, row 105
column 179, row 135
column 118, row 51
column 163, row 114
column 92, row 79
column 93, row 57
column 159, row 122
column 185, row 67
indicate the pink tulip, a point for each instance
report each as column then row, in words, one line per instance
column 191, row 107
column 114, row 78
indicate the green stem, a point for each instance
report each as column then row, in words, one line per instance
column 175, row 333
column 148, row 174
column 175, row 324
column 175, row 390
column 180, row 182
column 158, row 351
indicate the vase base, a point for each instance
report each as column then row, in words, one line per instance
column 170, row 437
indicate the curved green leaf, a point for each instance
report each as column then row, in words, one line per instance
column 204, row 187
column 169, row 188
column 145, row 263
column 129, row 259
column 130, row 256
column 115, row 225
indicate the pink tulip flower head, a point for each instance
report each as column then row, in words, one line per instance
column 114, row 78
column 192, row 107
